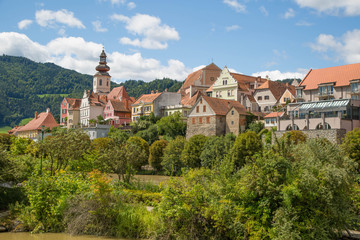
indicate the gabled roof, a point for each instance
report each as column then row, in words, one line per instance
column 222, row 106
column 340, row 75
column 276, row 88
column 120, row 106
column 251, row 98
column 74, row 103
column 192, row 77
column 118, row 93
column 43, row 119
column 147, row 98
column 240, row 110
column 187, row 101
column 274, row 114
column 97, row 100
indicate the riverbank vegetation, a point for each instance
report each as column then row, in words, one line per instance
column 230, row 187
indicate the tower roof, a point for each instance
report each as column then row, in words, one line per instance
column 102, row 68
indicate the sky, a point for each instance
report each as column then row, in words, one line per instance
column 149, row 39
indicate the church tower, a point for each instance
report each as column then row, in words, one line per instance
column 101, row 82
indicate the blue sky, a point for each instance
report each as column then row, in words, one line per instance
column 170, row 38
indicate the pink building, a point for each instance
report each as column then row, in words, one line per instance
column 118, row 112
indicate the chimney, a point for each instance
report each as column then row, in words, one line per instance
column 47, row 110
column 36, row 115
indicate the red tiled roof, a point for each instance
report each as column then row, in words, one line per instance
column 276, row 88
column 274, row 114
column 74, row 103
column 43, row 119
column 191, row 101
column 340, row 75
column 292, row 89
column 251, row 98
column 97, row 100
column 192, row 77
column 147, row 98
column 120, row 106
column 117, row 93
column 222, row 106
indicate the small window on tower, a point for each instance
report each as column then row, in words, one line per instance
column 107, row 83
column 100, row 83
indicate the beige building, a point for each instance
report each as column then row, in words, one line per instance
column 215, row 117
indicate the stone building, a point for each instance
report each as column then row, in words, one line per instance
column 210, row 116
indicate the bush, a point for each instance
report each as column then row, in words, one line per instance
column 215, row 150
column 255, row 126
column 351, row 145
column 150, row 135
column 156, row 154
column 294, row 137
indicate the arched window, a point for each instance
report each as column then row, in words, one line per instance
column 319, row 126
column 266, row 109
column 296, row 127
column 327, row 126
column 100, row 83
column 289, row 127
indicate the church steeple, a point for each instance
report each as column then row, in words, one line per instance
column 102, row 77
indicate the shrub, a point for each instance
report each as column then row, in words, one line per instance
column 156, row 154
column 192, row 151
column 245, row 146
column 172, row 162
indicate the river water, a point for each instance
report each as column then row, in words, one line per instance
column 50, row 236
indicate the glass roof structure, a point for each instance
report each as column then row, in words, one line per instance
column 321, row 106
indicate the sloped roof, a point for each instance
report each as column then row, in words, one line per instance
column 147, row 98
column 292, row 89
column 251, row 98
column 191, row 101
column 222, row 106
column 340, row 75
column 97, row 100
column 43, row 119
column 74, row 103
column 192, row 77
column 120, row 106
column 274, row 114
column 117, row 93
column 276, row 88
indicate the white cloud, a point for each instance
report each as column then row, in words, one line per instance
column 333, row 7
column 154, row 34
column 238, row 7
column 345, row 48
column 24, row 23
column 131, row 5
column 290, row 13
column 304, row 23
column 62, row 32
column 97, row 26
column 232, row 28
column 48, row 18
column 77, row 54
column 277, row 75
column 264, row 11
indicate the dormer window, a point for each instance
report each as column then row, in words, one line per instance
column 299, row 93
column 326, row 90
column 355, row 87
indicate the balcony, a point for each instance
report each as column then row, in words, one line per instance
column 355, row 91
column 325, row 95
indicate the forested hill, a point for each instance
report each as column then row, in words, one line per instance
column 27, row 86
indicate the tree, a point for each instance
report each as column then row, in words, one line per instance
column 150, row 134
column 192, row 151
column 171, row 161
column 139, row 145
column 172, row 126
column 156, row 154
column 294, row 137
column 25, row 121
column 245, row 146
column 119, row 136
column 256, row 126
column 351, row 145
column 214, row 151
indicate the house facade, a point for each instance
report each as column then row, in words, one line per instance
column 70, row 112
column 118, row 113
column 271, row 120
column 209, row 117
column 154, row 103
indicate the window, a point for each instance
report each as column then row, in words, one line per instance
column 266, row 97
column 229, row 93
column 299, row 93
column 107, row 83
column 326, row 90
column 267, row 121
column 185, row 113
column 201, row 101
column 134, row 109
column 232, row 122
column 355, row 87
column 207, row 119
column 204, row 108
column 259, row 98
column 212, row 78
column 200, row 120
column 217, row 94
column 266, row 109
column 232, row 112
column 63, row 120
column 100, row 83
column 64, row 111
column 286, row 99
column 224, row 82
column 193, row 120
column 197, row 109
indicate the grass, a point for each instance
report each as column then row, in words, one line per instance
column 5, row 129
column 55, row 94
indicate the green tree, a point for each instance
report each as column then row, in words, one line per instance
column 25, row 121
column 214, row 151
column 119, row 136
column 172, row 162
column 172, row 126
column 156, row 154
column 192, row 151
column 19, row 145
column 150, row 134
column 139, row 145
column 255, row 126
column 351, row 145
column 245, row 146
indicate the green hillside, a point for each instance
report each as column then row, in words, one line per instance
column 27, row 86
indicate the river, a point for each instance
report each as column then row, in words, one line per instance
column 50, row 236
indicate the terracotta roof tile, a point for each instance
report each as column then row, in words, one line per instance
column 340, row 75
column 251, row 98
column 222, row 106
column 276, row 88
column 74, row 103
column 191, row 101
column 192, row 77
column 44, row 118
column 118, row 93
column 120, row 106
column 147, row 98
column 274, row 114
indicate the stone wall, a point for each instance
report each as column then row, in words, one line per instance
column 333, row 135
column 216, row 126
